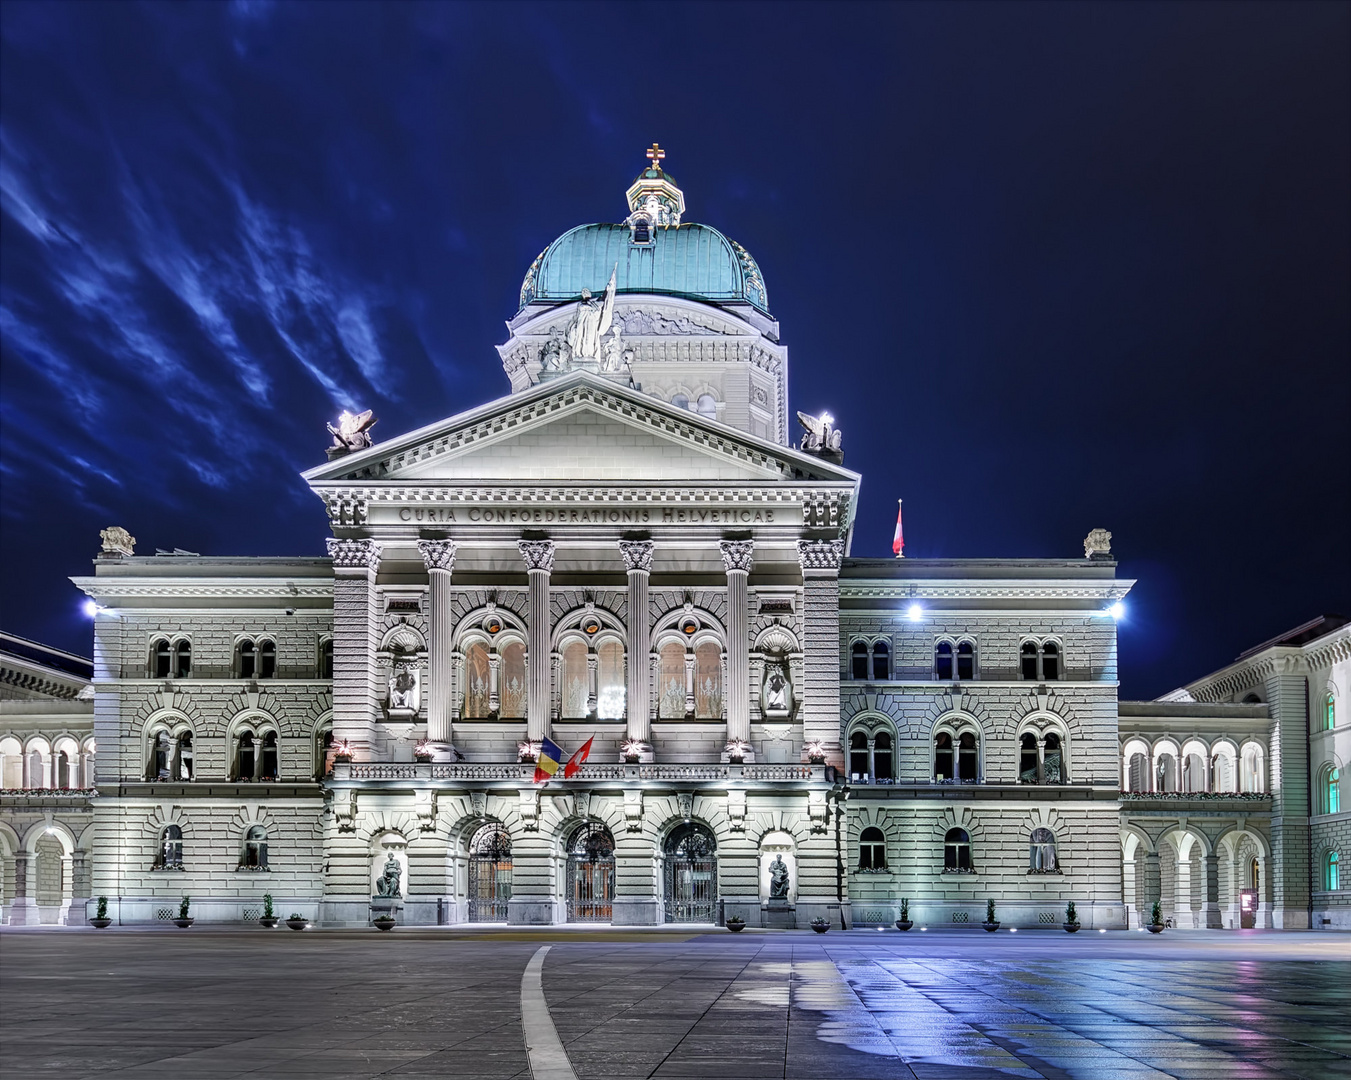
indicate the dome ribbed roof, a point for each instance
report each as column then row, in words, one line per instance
column 689, row 260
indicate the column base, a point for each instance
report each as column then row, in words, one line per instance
column 532, row 911
column 635, row 911
column 23, row 911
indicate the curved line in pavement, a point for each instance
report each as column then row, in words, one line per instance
column 548, row 1059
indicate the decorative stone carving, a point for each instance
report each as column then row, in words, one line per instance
column 538, row 554
column 354, row 554
column 345, row 809
column 388, row 882
column 633, row 809
column 637, row 554
column 424, row 805
column 353, row 431
column 555, row 352
column 736, row 810
column 1098, row 545
column 778, row 879
column 117, row 541
column 582, row 802
column 685, row 801
column 777, row 696
column 822, row 436
column 437, row 554
column 818, row 810
column 641, row 323
column 529, row 809
column 478, row 802
column 404, row 688
column 820, row 554
column 737, row 555
column 592, row 322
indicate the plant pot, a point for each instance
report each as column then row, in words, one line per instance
column 269, row 921
column 100, row 924
column 183, row 924
column 1155, row 927
column 298, row 924
column 904, row 924
column 736, row 927
column 1071, row 927
column 384, row 922
column 820, row 927
column 990, row 927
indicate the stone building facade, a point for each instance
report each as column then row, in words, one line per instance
column 626, row 555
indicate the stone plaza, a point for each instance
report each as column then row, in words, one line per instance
column 933, row 1004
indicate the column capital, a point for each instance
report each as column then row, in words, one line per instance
column 737, row 555
column 637, row 554
column 354, row 554
column 538, row 554
column 820, row 554
column 437, row 554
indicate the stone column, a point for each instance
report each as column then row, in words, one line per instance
column 23, row 911
column 539, row 564
column 820, row 692
column 439, row 558
column 1182, row 893
column 356, row 695
column 1210, row 894
column 1153, row 888
column 638, row 561
column 738, row 556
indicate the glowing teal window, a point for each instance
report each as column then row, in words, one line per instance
column 1329, row 714
column 1332, row 791
column 1331, row 874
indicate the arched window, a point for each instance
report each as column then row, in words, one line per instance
column 1138, row 771
column 1329, row 713
column 943, row 757
column 1027, row 657
column 183, row 659
column 477, row 682
column 170, row 854
column 708, row 681
column 858, row 655
column 966, row 661
column 1194, row 773
column 1050, row 661
column 882, row 757
column 642, row 231
column 943, row 661
column 1331, row 794
column 1252, row 769
column 1166, row 777
column 576, row 683
column 324, row 749
column 858, row 756
column 1332, row 879
column 680, row 401
column 183, row 746
column 267, row 660
column 881, row 661
column 170, row 756
column 1221, row 772
column 706, row 406
column 246, row 756
column 610, row 689
column 268, row 766
column 1053, row 760
column 1251, row 699
column 968, row 765
column 671, row 700
column 1041, row 853
column 872, row 849
column 326, row 658
column 1028, row 763
column 513, row 695
column 255, row 849
column 957, row 852
column 246, row 660
column 161, row 659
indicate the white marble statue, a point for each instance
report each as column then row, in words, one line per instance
column 592, row 322
column 403, row 688
column 821, row 433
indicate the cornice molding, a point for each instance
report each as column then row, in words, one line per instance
column 950, row 589
column 206, row 588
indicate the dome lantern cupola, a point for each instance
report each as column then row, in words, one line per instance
column 654, row 200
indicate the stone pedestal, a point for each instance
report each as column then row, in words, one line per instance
column 778, row 915
column 387, row 905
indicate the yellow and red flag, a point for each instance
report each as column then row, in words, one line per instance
column 548, row 762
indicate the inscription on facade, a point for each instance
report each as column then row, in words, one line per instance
column 709, row 514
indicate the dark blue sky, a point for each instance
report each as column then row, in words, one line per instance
column 1052, row 267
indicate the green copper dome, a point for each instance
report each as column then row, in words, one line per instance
column 690, row 260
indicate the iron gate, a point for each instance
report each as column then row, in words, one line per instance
column 691, row 875
column 591, row 874
column 489, row 874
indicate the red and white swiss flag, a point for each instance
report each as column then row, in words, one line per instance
column 898, row 541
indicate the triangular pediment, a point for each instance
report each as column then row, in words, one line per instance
column 583, row 427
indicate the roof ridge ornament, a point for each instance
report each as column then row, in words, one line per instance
column 654, row 200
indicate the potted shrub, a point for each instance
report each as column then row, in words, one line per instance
column 1156, row 919
column 736, row 924
column 904, row 923
column 268, row 920
column 990, row 923
column 384, row 921
column 297, row 921
column 101, row 920
column 820, row 925
column 184, row 921
column 1071, row 923
column 422, row 753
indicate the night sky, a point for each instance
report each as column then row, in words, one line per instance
column 1051, row 267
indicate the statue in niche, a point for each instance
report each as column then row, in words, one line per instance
column 778, row 690
column 592, row 322
column 403, row 687
column 778, row 879
column 388, row 882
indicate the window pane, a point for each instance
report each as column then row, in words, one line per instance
column 672, row 685
column 708, row 681
column 610, row 681
column 966, row 661
column 511, row 685
column 476, row 676
column 943, row 660
column 1028, row 657
column 881, row 661
column 575, row 680
column 267, row 660
column 859, row 660
column 882, row 756
column 1050, row 661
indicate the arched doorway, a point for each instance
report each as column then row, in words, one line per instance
column 591, row 874
column 489, row 874
column 691, row 875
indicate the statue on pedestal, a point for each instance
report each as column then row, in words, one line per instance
column 778, row 879
column 592, row 322
column 388, row 882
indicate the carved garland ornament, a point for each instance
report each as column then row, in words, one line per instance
column 637, row 554
column 738, row 555
column 354, row 554
column 820, row 554
column 538, row 554
column 438, row 554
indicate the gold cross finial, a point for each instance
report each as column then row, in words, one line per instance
column 656, row 154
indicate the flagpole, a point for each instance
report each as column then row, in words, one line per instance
column 898, row 541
